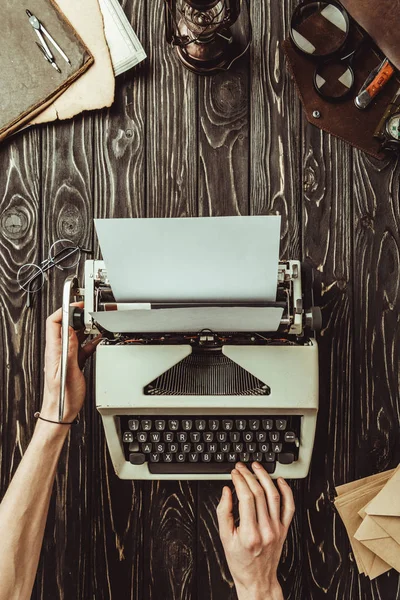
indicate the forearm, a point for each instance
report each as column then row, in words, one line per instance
column 24, row 509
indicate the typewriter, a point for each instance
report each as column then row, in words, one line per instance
column 187, row 389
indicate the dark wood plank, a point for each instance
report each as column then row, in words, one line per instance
column 275, row 135
column 377, row 329
column 327, row 168
column 67, row 213
column 171, row 126
column 117, row 515
column 214, row 578
column 119, row 191
column 20, row 205
column 224, row 142
column 225, row 160
column 275, row 188
column 171, row 182
column 170, row 535
column 175, row 145
column 223, row 190
column 20, row 208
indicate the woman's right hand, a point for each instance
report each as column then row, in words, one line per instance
column 254, row 548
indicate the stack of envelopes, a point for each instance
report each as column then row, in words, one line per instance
column 370, row 510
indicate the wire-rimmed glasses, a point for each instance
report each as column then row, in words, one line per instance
column 63, row 254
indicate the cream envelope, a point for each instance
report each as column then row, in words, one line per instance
column 376, row 539
column 389, row 524
column 385, row 508
column 346, row 488
column 387, row 502
column 382, row 476
column 367, row 562
column 353, row 503
column 362, row 511
column 354, row 496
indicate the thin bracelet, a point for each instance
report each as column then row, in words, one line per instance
column 75, row 422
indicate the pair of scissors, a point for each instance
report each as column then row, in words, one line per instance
column 41, row 31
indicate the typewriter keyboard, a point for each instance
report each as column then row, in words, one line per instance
column 209, row 444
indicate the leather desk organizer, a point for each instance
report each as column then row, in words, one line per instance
column 380, row 19
column 343, row 119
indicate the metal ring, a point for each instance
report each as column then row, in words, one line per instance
column 76, row 249
column 330, row 98
column 26, row 285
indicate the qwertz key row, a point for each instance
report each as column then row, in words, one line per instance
column 197, row 444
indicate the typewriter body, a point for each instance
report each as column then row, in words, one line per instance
column 189, row 404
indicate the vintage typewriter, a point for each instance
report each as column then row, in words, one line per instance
column 205, row 388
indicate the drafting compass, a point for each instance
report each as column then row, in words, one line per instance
column 42, row 32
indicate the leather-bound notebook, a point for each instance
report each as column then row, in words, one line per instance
column 28, row 82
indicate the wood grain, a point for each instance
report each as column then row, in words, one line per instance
column 171, row 191
column 67, row 213
column 377, row 327
column 223, row 179
column 327, row 168
column 20, row 207
column 275, row 120
column 20, row 204
column 223, row 183
column 275, row 188
column 119, row 191
column 214, row 578
column 176, row 145
column 170, row 540
column 171, row 126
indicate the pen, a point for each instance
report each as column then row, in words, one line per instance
column 111, row 306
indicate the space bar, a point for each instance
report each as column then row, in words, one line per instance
column 190, row 468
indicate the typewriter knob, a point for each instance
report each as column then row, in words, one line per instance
column 76, row 317
column 314, row 318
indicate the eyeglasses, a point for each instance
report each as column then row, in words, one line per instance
column 321, row 31
column 63, row 255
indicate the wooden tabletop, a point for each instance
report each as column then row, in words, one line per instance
column 173, row 145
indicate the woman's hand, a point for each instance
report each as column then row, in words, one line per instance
column 254, row 548
column 77, row 356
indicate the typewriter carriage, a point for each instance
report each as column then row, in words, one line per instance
column 295, row 286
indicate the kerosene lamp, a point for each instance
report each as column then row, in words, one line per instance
column 209, row 35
